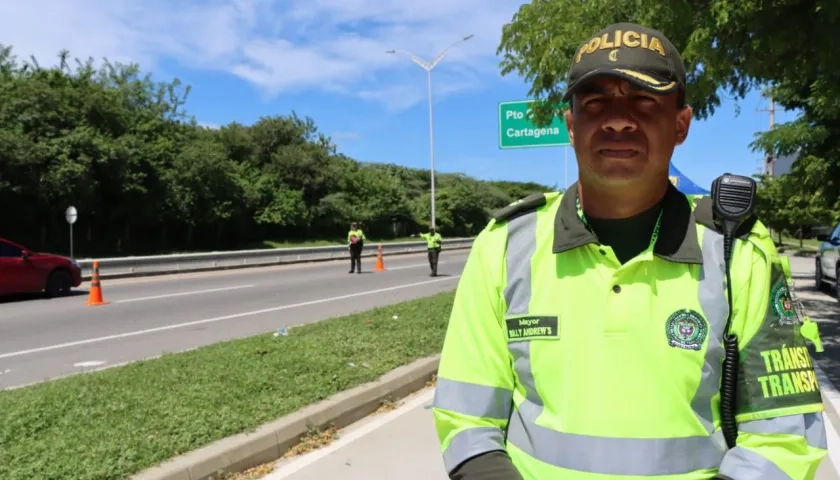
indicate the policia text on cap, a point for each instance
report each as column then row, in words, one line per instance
column 586, row 338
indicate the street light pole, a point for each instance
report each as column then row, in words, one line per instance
column 428, row 67
column 431, row 142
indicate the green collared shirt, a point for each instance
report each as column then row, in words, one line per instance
column 677, row 240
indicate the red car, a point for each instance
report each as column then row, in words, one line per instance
column 25, row 271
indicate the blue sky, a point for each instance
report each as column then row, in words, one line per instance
column 326, row 59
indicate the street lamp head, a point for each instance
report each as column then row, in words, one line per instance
column 390, row 51
column 468, row 37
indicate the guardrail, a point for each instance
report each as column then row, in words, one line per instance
column 195, row 262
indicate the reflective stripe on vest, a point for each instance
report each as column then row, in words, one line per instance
column 474, row 400
column 525, row 438
column 742, row 463
column 612, row 455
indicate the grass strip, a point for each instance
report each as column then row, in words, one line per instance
column 113, row 423
column 807, row 243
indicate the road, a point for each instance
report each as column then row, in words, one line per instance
column 403, row 443
column 48, row 338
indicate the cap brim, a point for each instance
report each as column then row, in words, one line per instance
column 650, row 83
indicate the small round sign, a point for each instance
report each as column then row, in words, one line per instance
column 71, row 215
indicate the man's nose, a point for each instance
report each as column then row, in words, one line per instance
column 619, row 120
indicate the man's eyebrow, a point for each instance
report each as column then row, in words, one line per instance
column 594, row 88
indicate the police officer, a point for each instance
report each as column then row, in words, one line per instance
column 585, row 337
column 433, row 243
column 356, row 241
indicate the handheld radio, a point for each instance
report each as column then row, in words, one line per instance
column 733, row 203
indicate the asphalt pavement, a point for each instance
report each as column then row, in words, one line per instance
column 403, row 443
column 42, row 338
column 824, row 309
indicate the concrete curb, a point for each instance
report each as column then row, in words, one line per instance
column 117, row 276
column 270, row 441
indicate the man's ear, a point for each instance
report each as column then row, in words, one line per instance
column 568, row 116
column 683, row 123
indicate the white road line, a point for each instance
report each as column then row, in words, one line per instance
column 106, row 366
column 416, row 265
column 375, row 423
column 217, row 319
column 832, row 437
column 89, row 363
column 181, row 294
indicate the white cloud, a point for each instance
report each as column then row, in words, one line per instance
column 346, row 135
column 278, row 45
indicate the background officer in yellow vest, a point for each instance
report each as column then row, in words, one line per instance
column 585, row 340
column 433, row 241
column 356, row 242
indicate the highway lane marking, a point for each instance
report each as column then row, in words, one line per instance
column 89, row 363
column 832, row 437
column 118, row 336
column 238, row 287
column 416, row 265
column 181, row 294
column 176, row 276
column 346, row 438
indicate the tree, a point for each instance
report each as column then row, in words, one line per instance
column 146, row 178
column 786, row 204
column 770, row 204
column 727, row 45
column 729, row 48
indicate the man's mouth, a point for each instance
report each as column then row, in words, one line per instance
column 618, row 152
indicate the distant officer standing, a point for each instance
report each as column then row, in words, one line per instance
column 433, row 242
column 356, row 241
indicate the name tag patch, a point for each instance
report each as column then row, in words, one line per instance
column 532, row 326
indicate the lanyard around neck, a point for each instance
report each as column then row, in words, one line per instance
column 653, row 238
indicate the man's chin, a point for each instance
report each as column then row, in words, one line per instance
column 616, row 177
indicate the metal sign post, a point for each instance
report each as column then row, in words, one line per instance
column 71, row 215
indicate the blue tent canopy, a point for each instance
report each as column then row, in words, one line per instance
column 684, row 184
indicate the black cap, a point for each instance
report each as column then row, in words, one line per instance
column 640, row 55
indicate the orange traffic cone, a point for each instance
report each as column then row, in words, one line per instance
column 95, row 297
column 380, row 263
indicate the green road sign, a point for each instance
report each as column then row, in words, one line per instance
column 516, row 131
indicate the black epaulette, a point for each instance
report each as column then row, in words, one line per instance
column 520, row 207
column 704, row 215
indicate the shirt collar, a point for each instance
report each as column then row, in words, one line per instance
column 677, row 241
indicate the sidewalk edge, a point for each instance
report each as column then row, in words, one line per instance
column 268, row 442
column 831, row 398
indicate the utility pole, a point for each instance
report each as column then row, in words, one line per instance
column 770, row 161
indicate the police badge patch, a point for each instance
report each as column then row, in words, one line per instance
column 686, row 329
column 782, row 304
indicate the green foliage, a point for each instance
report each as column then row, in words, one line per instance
column 786, row 205
column 726, row 45
column 729, row 48
column 116, row 422
column 146, row 178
